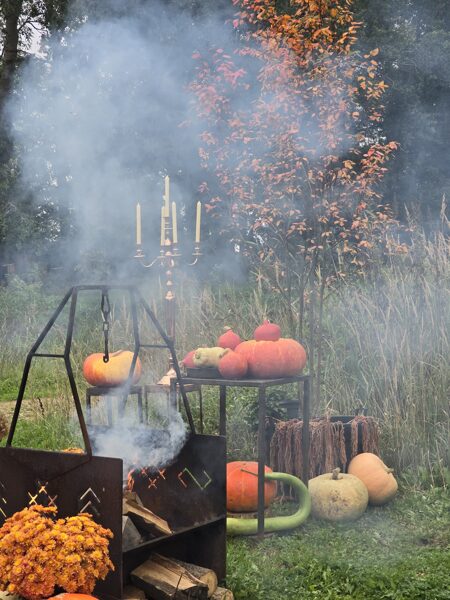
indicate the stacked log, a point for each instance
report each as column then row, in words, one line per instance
column 163, row 578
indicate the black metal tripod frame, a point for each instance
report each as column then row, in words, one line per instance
column 136, row 299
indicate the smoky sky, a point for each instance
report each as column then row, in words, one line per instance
column 105, row 114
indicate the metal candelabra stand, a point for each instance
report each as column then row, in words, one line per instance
column 169, row 259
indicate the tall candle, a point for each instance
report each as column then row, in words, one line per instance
column 174, row 223
column 197, row 222
column 163, row 225
column 167, row 196
column 138, row 225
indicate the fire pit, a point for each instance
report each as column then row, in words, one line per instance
column 188, row 493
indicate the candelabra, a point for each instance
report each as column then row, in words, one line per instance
column 169, row 259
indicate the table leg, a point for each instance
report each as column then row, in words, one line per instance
column 88, row 408
column 223, row 410
column 146, row 404
column 140, row 407
column 200, row 406
column 305, row 429
column 261, row 457
column 108, row 400
column 173, row 396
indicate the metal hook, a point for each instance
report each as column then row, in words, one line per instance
column 105, row 307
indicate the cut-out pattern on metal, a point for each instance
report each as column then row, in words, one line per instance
column 194, row 479
column 89, row 502
column 149, row 476
column 3, row 500
column 42, row 496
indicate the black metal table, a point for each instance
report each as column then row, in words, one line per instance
column 262, row 385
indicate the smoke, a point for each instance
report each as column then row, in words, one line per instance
column 155, row 444
column 99, row 122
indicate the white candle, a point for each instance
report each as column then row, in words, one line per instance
column 197, row 222
column 167, row 196
column 138, row 225
column 174, row 223
column 163, row 225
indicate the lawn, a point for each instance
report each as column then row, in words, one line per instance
column 401, row 551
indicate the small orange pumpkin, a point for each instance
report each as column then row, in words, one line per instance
column 67, row 596
column 113, row 373
column 229, row 339
column 188, row 360
column 233, row 365
column 376, row 476
column 267, row 332
column 242, row 486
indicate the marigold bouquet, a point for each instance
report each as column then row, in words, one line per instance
column 39, row 554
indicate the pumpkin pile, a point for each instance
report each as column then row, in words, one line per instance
column 266, row 356
column 343, row 497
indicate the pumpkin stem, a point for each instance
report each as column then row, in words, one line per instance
column 226, row 328
column 389, row 470
column 249, row 472
column 335, row 473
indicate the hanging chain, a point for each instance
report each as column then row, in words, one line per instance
column 106, row 310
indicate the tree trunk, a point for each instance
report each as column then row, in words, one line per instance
column 11, row 10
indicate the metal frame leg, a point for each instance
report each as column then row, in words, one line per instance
column 88, row 408
column 173, row 396
column 261, row 457
column 109, row 410
column 200, row 407
column 223, row 410
column 140, row 409
column 305, row 429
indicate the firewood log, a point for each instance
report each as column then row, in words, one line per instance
column 203, row 574
column 132, row 506
column 222, row 594
column 163, row 579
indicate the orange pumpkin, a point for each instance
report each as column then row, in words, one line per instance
column 267, row 332
column 294, row 356
column 67, row 596
column 188, row 360
column 233, row 365
column 266, row 359
column 242, row 487
column 114, row 372
column 229, row 339
column 376, row 476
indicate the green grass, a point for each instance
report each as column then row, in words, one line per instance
column 401, row 551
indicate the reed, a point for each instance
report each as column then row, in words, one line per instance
column 385, row 346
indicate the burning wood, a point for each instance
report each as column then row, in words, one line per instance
column 132, row 505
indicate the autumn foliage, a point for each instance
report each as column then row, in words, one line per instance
column 293, row 151
column 292, row 142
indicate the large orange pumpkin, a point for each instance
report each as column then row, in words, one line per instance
column 266, row 359
column 233, row 365
column 114, row 372
column 376, row 476
column 242, row 487
column 294, row 356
